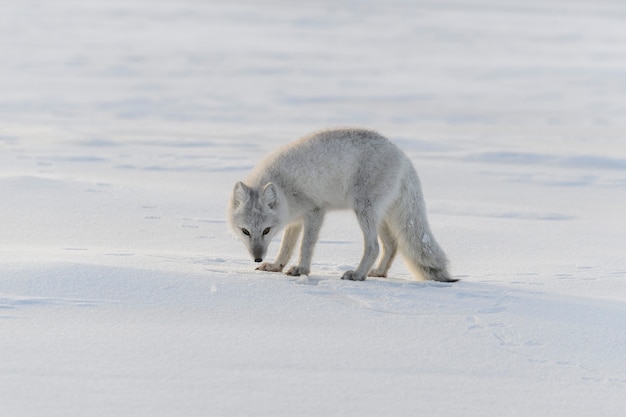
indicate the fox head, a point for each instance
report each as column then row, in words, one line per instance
column 255, row 215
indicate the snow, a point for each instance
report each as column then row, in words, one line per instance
column 125, row 124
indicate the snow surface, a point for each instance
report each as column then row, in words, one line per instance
column 124, row 125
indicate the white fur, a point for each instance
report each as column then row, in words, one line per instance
column 353, row 169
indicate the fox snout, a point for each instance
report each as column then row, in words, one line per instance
column 258, row 252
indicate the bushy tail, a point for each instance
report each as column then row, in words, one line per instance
column 407, row 220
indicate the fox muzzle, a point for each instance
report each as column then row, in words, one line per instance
column 258, row 253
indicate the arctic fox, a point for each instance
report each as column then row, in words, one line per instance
column 354, row 169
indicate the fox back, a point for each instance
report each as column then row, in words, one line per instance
column 329, row 166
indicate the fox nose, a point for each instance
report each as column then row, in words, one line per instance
column 258, row 260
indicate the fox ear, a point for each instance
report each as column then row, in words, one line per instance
column 269, row 195
column 241, row 193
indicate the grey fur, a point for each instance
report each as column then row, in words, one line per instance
column 338, row 169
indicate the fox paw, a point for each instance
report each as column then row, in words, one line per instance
column 377, row 273
column 352, row 276
column 296, row 271
column 269, row 267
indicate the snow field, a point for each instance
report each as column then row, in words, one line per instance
column 124, row 126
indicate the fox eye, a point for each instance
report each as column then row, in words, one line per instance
column 245, row 232
column 266, row 231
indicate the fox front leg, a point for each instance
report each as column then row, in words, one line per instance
column 312, row 225
column 287, row 244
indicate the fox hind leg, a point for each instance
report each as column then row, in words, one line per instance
column 368, row 220
column 390, row 248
